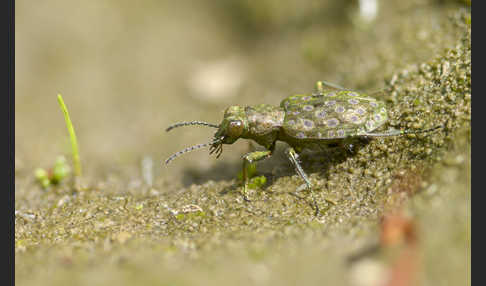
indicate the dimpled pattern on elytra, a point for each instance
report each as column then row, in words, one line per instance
column 332, row 115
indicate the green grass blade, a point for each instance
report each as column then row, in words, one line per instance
column 72, row 136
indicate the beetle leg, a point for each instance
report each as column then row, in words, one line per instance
column 294, row 158
column 320, row 85
column 349, row 146
column 248, row 159
column 395, row 132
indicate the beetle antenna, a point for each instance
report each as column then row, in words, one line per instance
column 189, row 149
column 180, row 124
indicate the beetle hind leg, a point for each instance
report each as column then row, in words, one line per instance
column 294, row 158
column 396, row 132
column 321, row 83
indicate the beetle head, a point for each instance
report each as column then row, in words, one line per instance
column 233, row 126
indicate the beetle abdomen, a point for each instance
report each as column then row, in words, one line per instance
column 332, row 115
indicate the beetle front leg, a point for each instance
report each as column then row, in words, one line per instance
column 248, row 159
column 294, row 158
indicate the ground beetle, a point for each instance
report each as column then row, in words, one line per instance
column 332, row 115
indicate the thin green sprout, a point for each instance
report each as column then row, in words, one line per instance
column 72, row 136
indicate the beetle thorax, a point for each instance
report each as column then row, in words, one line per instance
column 261, row 123
column 264, row 118
column 264, row 123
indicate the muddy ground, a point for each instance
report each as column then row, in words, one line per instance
column 395, row 211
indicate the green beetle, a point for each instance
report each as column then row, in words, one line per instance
column 330, row 116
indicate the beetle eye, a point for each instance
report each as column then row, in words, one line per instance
column 235, row 128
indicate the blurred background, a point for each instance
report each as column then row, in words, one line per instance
column 128, row 69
